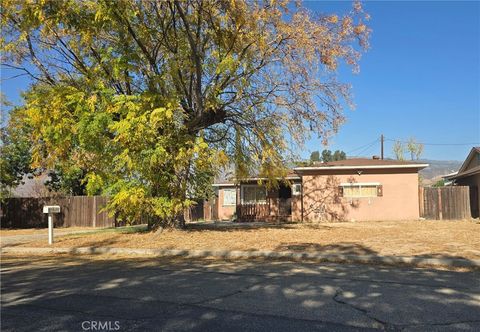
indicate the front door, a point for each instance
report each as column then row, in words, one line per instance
column 285, row 200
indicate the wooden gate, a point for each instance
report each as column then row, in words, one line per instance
column 449, row 203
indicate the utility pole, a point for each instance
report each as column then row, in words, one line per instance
column 382, row 139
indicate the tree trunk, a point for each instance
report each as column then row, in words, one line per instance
column 180, row 221
column 149, row 223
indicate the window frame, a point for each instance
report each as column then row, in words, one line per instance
column 359, row 185
column 234, row 190
column 296, row 189
column 242, row 194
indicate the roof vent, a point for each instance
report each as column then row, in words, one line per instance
column 375, row 157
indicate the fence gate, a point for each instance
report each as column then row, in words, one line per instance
column 445, row 203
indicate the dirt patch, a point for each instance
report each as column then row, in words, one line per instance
column 406, row 238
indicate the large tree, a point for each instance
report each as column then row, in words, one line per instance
column 399, row 150
column 339, row 155
column 148, row 98
column 14, row 153
column 314, row 156
column 415, row 148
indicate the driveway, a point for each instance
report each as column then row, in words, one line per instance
column 76, row 293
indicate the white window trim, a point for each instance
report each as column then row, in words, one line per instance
column 361, row 184
column 294, row 191
column 242, row 192
column 230, row 190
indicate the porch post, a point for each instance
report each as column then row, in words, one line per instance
column 301, row 197
column 238, row 210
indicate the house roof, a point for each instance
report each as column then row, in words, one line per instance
column 223, row 184
column 356, row 163
column 363, row 163
column 464, row 171
column 32, row 186
column 449, row 175
column 366, row 162
column 468, row 172
column 290, row 176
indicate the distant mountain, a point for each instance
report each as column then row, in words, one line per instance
column 437, row 169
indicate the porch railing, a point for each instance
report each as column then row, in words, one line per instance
column 250, row 212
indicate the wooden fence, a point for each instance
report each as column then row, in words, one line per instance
column 75, row 211
column 451, row 202
column 202, row 210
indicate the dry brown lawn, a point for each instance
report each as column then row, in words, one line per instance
column 32, row 231
column 417, row 238
column 10, row 232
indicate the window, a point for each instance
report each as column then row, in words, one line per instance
column 252, row 194
column 229, row 197
column 357, row 190
column 296, row 189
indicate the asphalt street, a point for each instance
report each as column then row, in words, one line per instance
column 91, row 294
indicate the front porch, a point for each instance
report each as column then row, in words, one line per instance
column 256, row 203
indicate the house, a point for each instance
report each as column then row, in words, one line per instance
column 469, row 175
column 33, row 186
column 353, row 189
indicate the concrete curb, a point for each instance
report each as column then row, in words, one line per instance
column 227, row 254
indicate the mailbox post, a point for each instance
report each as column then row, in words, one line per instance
column 50, row 209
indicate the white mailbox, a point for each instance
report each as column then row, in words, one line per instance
column 51, row 209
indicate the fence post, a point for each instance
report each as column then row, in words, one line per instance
column 440, row 208
column 94, row 211
column 421, row 201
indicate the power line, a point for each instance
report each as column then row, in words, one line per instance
column 439, row 144
column 363, row 146
column 367, row 148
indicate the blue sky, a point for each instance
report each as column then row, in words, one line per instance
column 420, row 78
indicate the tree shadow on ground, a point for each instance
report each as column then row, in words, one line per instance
column 355, row 249
column 229, row 226
column 61, row 292
column 339, row 248
column 94, row 244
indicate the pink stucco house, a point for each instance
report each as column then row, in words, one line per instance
column 350, row 190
